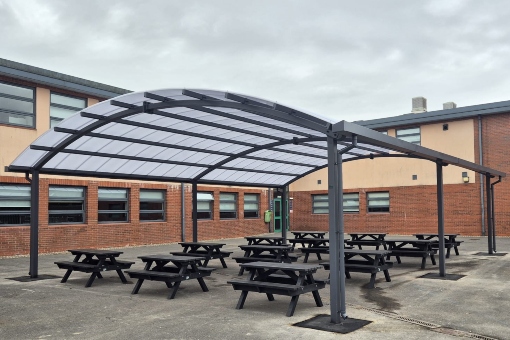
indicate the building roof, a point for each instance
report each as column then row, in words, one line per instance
column 437, row 116
column 205, row 136
column 63, row 81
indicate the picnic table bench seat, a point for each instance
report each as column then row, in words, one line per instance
column 274, row 287
column 92, row 265
column 265, row 258
column 414, row 253
column 315, row 250
column 366, row 242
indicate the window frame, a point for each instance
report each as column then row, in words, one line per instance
column 236, row 205
column 344, row 199
column 154, row 200
column 251, row 202
column 210, row 210
column 16, row 198
column 126, row 211
column 315, row 198
column 409, row 134
column 378, row 199
column 25, row 99
column 63, row 212
column 65, row 107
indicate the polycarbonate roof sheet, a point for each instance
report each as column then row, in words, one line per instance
column 186, row 135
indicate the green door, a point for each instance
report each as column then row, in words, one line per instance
column 277, row 216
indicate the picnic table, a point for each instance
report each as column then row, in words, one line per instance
column 365, row 261
column 317, row 246
column 268, row 253
column 367, row 239
column 308, row 234
column 95, row 262
column 182, row 268
column 205, row 250
column 411, row 248
column 449, row 242
column 269, row 240
column 293, row 279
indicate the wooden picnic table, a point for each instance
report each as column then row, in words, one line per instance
column 206, row 250
column 411, row 248
column 182, row 268
column 366, row 261
column 95, row 262
column 367, row 239
column 449, row 242
column 270, row 240
column 293, row 279
column 262, row 252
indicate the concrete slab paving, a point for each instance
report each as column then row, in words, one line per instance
column 408, row 307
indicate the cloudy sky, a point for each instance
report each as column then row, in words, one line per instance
column 342, row 59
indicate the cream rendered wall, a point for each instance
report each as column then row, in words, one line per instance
column 457, row 141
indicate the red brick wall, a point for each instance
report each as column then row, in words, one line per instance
column 413, row 209
column 53, row 238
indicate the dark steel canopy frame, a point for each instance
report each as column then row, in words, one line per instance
column 213, row 137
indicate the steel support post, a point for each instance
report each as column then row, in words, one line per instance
column 194, row 192
column 440, row 217
column 285, row 213
column 489, row 212
column 336, row 249
column 494, row 215
column 183, row 213
column 34, row 225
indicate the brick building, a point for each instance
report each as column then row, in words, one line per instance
column 92, row 212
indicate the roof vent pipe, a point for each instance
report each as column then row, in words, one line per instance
column 449, row 105
column 419, row 105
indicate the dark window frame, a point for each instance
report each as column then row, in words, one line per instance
column 319, row 198
column 348, row 199
column 68, row 199
column 251, row 202
column 153, row 200
column 66, row 107
column 399, row 134
column 210, row 210
column 228, row 211
column 113, row 211
column 379, row 208
column 16, row 212
column 25, row 99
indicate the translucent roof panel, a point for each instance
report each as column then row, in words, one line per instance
column 202, row 136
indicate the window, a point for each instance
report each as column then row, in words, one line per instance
column 14, row 204
column 384, row 132
column 228, row 205
column 320, row 204
column 152, row 205
column 251, row 205
column 378, row 201
column 17, row 105
column 205, row 205
column 112, row 205
column 411, row 135
column 351, row 202
column 62, row 106
column 66, row 205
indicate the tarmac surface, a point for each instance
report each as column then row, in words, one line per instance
column 475, row 306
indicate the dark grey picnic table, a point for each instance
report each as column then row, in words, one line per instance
column 206, row 250
column 411, row 248
column 450, row 241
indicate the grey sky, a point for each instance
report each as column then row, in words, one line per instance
column 342, row 59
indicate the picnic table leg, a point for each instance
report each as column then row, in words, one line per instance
column 448, row 252
column 174, row 290
column 91, row 279
column 387, row 275
column 242, row 299
column 99, row 276
column 223, row 263
column 317, row 298
column 423, row 260
column 292, row 305
column 372, row 280
column 205, row 263
column 433, row 259
column 66, row 276
column 270, row 297
column 456, row 250
column 137, row 286
column 202, row 284
column 319, row 257
column 347, row 274
column 398, row 259
column 306, row 258
column 241, row 271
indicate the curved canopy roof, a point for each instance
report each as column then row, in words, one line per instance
column 203, row 136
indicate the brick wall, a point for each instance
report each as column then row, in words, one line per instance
column 53, row 238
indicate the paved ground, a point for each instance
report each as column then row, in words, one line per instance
column 406, row 308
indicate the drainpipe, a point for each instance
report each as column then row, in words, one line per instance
column 493, row 215
column 482, row 205
column 183, row 214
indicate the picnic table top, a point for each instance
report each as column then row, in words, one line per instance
column 264, row 237
column 308, row 232
column 310, row 240
column 391, row 240
column 282, row 266
column 366, row 233
column 173, row 258
column 437, row 235
column 264, row 246
column 206, row 244
column 366, row 252
column 96, row 252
